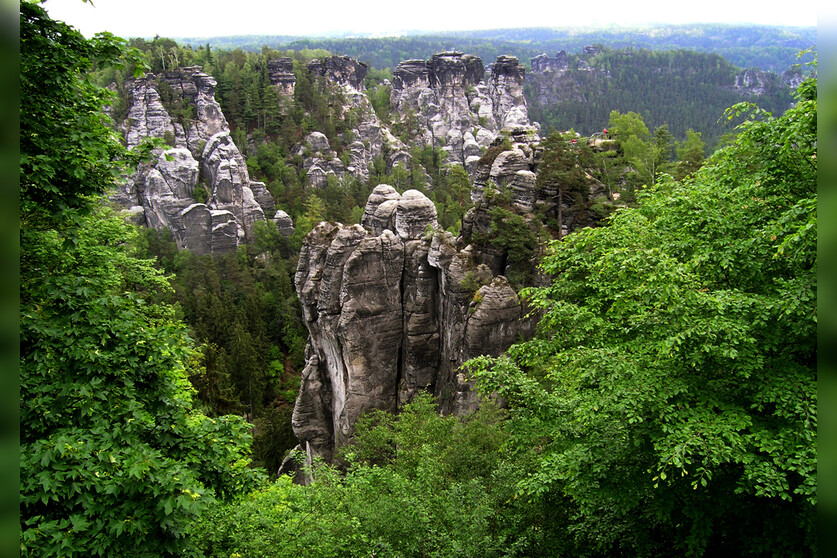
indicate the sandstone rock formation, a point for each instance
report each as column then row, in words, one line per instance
column 450, row 103
column 552, row 80
column 754, row 82
column 199, row 188
column 793, row 78
column 510, row 169
column 342, row 70
column 371, row 138
column 281, row 74
column 319, row 160
column 513, row 169
column 283, row 223
column 446, row 101
column 393, row 307
column 185, row 87
column 543, row 63
column 505, row 87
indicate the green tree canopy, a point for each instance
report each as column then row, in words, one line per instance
column 671, row 389
column 68, row 153
column 113, row 459
column 416, row 484
column 690, row 154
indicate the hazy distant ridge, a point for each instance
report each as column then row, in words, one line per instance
column 764, row 47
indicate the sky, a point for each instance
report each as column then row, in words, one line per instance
column 212, row 18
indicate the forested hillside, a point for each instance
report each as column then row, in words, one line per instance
column 667, row 405
column 657, row 397
column 766, row 48
column 681, row 88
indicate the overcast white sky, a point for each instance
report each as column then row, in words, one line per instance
column 208, row 18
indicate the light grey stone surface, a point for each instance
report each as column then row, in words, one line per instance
column 203, row 157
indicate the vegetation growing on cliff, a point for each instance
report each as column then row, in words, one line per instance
column 667, row 405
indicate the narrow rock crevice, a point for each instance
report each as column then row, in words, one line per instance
column 395, row 338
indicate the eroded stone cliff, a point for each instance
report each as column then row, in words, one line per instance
column 371, row 138
column 199, row 188
column 448, row 101
column 393, row 307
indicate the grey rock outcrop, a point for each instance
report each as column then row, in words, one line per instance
column 319, row 160
column 283, row 223
column 754, row 82
column 506, row 92
column 542, row 63
column 454, row 106
column 793, row 78
column 379, row 213
column 342, row 70
column 280, row 72
column 393, row 307
column 513, row 172
column 512, row 169
column 203, row 160
column 446, row 101
column 371, row 138
column 149, row 117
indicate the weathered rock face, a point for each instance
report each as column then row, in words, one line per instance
column 341, row 69
column 283, row 223
column 793, row 78
column 413, row 73
column 148, row 116
column 379, row 213
column 281, row 75
column 446, row 101
column 165, row 193
column 513, row 169
column 754, row 82
column 371, row 138
column 542, row 63
column 391, row 309
column 453, row 106
column 319, row 160
column 454, row 70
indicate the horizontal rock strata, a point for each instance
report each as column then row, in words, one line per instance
column 392, row 309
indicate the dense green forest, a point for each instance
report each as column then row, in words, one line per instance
column 746, row 46
column 680, row 88
column 115, row 459
column 666, row 406
column 683, row 89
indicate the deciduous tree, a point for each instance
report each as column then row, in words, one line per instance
column 113, row 459
column 672, row 389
